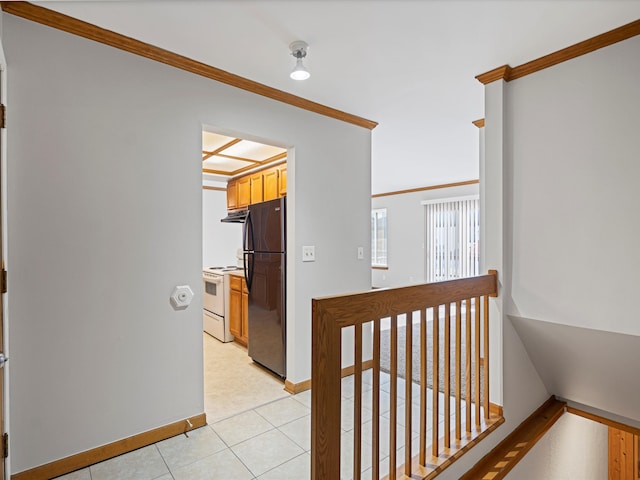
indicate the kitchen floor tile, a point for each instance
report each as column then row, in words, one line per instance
column 143, row 464
column 266, row 451
column 241, row 427
column 182, row 450
column 220, row 465
column 283, row 411
column 297, row 469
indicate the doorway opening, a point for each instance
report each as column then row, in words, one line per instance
column 238, row 171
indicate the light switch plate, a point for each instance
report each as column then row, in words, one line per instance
column 360, row 253
column 309, row 253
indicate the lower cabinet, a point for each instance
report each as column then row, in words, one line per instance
column 239, row 309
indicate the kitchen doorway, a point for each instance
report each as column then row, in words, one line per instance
column 237, row 172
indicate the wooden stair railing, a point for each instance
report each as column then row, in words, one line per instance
column 461, row 305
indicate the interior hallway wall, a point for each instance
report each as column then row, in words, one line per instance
column 104, row 219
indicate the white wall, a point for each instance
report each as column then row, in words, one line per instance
column 573, row 143
column 406, row 234
column 572, row 147
column 219, row 240
column 574, row 447
column 105, row 218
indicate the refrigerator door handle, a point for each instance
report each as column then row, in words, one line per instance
column 247, row 228
column 248, row 275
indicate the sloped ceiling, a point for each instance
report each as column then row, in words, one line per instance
column 590, row 367
column 407, row 64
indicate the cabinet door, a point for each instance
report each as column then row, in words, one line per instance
column 235, row 313
column 245, row 312
column 257, row 195
column 243, row 192
column 282, row 181
column 271, row 184
column 232, row 196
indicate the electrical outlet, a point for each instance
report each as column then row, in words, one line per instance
column 309, row 253
column 360, row 253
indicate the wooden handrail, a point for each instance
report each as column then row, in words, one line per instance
column 366, row 311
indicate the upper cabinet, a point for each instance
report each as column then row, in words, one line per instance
column 243, row 192
column 270, row 184
column 232, row 195
column 257, row 187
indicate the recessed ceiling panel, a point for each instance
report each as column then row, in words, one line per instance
column 212, row 141
column 225, row 164
column 252, row 150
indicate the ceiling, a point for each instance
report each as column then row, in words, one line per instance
column 407, row 64
column 226, row 156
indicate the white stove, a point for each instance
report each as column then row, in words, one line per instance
column 215, row 300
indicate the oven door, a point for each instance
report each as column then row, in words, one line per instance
column 213, row 294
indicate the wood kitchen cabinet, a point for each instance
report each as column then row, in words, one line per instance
column 257, row 187
column 261, row 186
column 271, row 187
column 243, row 192
column 282, row 180
column 232, row 198
column 239, row 309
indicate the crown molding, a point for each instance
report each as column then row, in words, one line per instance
column 83, row 29
column 611, row 37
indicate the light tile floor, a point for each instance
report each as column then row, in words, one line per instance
column 263, row 439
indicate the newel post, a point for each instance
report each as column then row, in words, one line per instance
column 325, row 394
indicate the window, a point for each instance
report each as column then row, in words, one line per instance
column 453, row 233
column 379, row 237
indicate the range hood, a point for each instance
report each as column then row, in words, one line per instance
column 235, row 216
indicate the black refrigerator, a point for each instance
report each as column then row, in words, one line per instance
column 264, row 245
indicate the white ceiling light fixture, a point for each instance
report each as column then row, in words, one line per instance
column 299, row 51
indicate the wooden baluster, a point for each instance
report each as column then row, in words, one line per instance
column 393, row 415
column 486, row 357
column 447, row 376
column 375, row 424
column 408, row 392
column 477, row 363
column 423, row 387
column 458, row 371
column 357, row 403
column 435, row 374
column 467, row 393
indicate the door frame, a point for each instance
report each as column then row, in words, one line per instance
column 4, row 317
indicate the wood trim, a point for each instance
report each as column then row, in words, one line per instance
column 294, row 388
column 219, row 189
column 83, row 29
column 376, row 267
column 99, row 454
column 431, row 187
column 220, row 149
column 500, row 73
column 581, row 48
column 495, row 409
column 479, row 123
column 501, row 460
column 604, row 421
